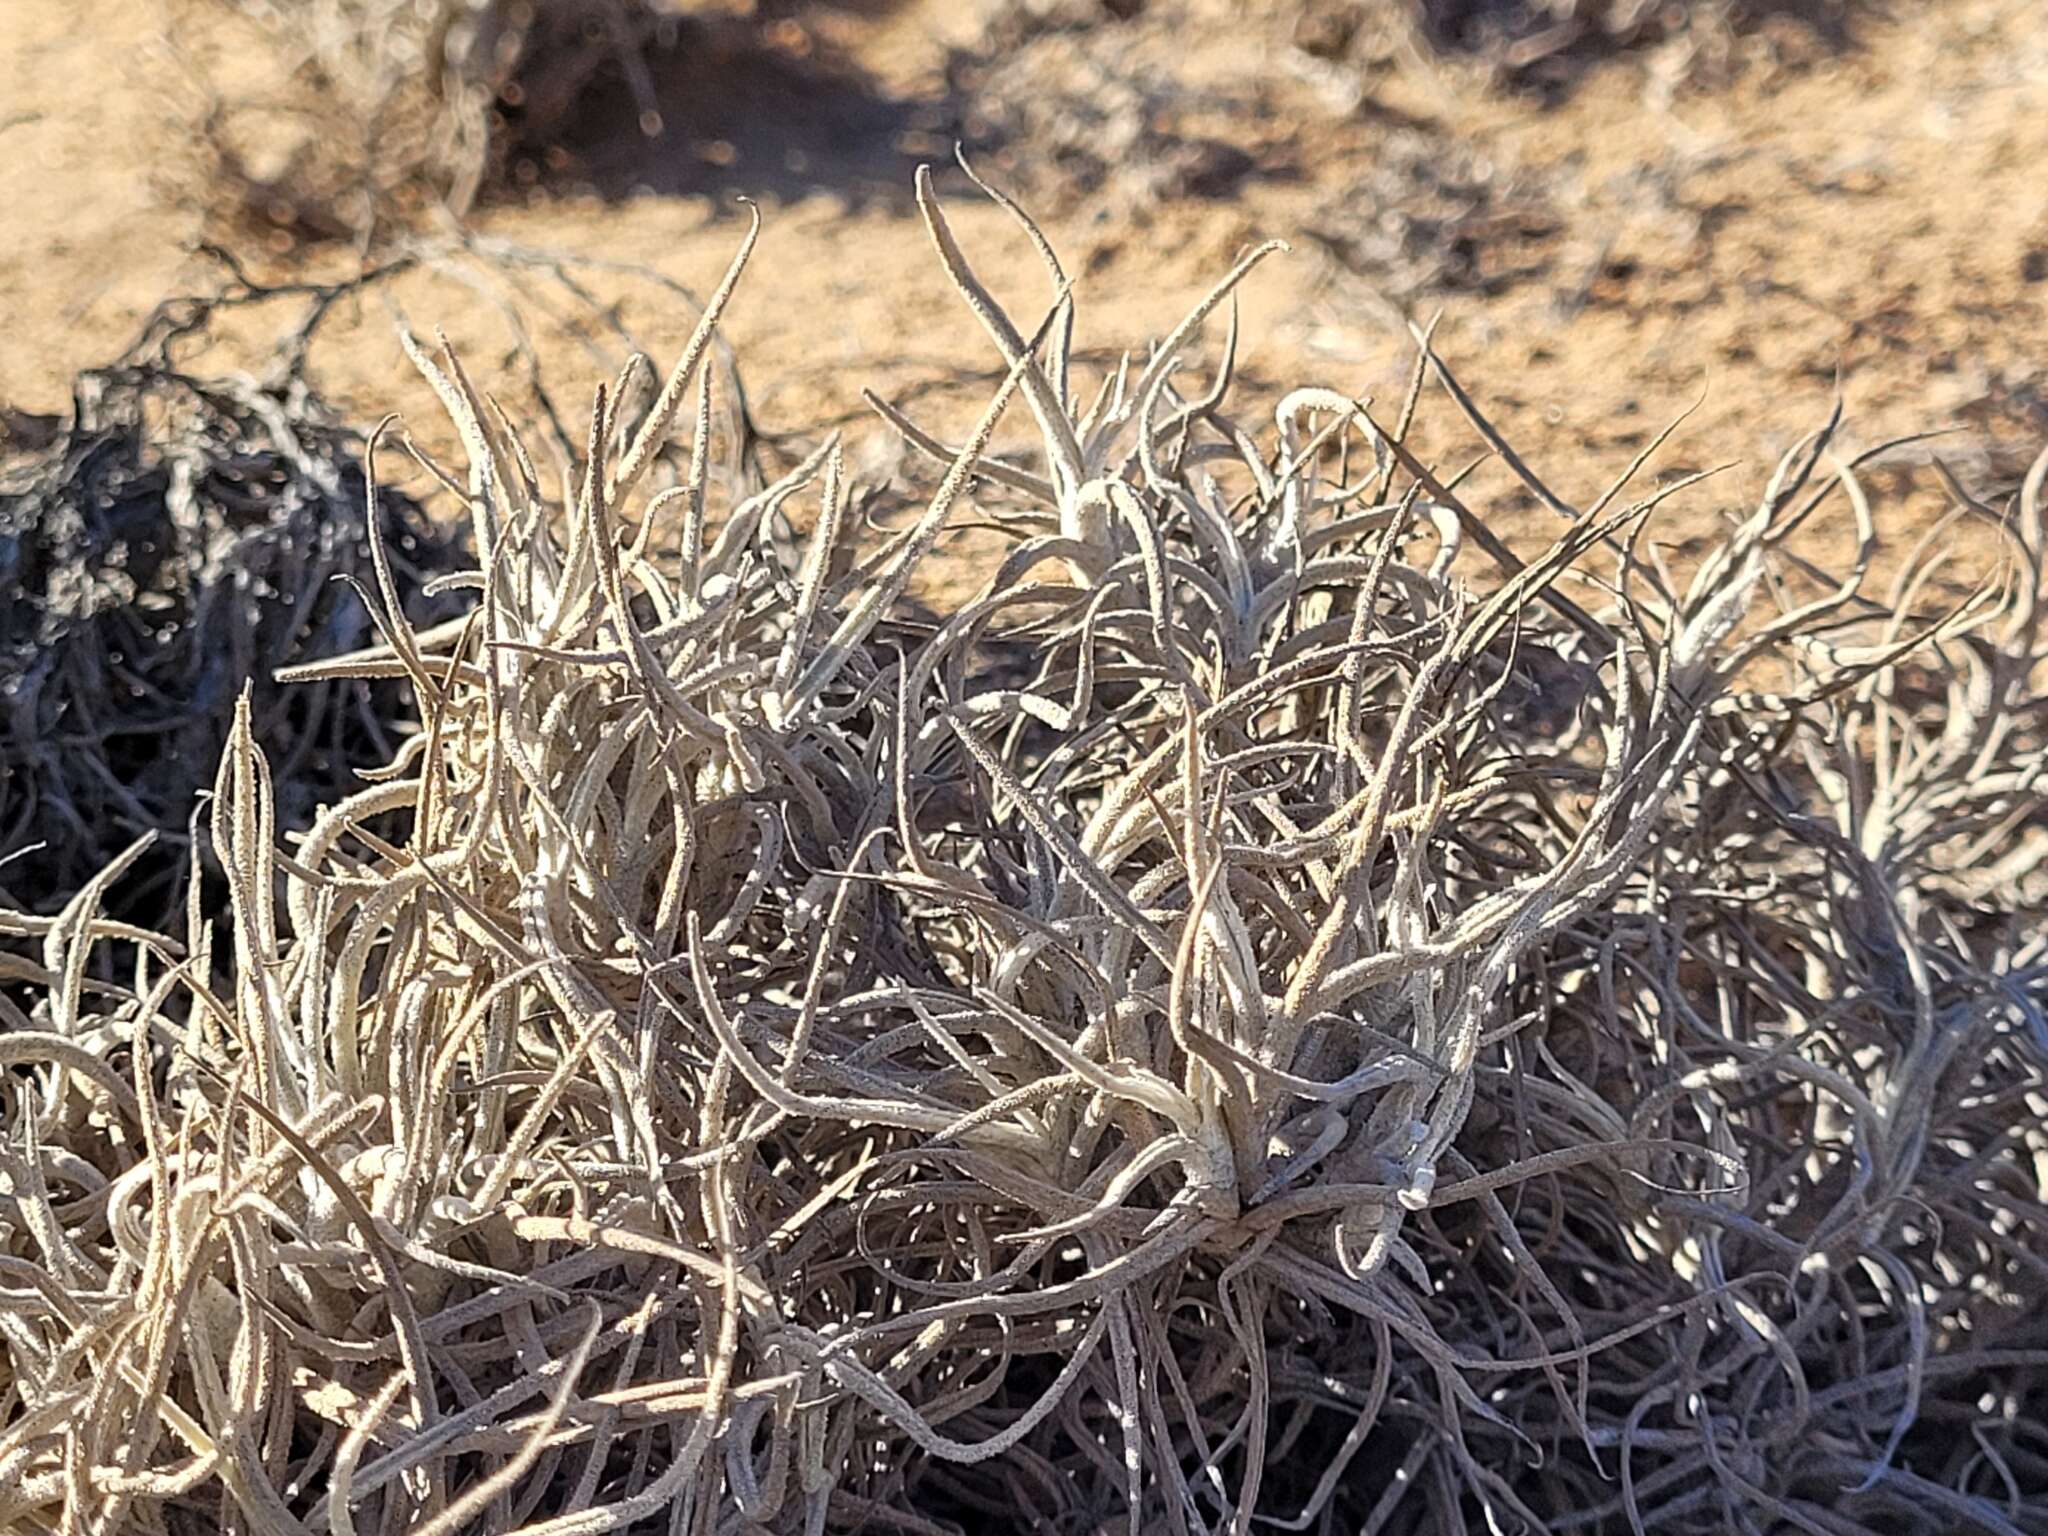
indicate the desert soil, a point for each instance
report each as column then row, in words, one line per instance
column 1867, row 212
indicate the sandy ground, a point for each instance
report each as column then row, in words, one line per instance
column 1871, row 213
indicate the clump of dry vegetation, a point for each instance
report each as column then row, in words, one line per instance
column 178, row 536
column 1363, row 1032
column 1086, row 104
column 379, row 108
column 1548, row 44
column 1432, row 216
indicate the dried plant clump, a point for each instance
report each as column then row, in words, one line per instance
column 381, row 108
column 179, row 536
column 1363, row 1033
column 1432, row 216
column 1089, row 106
column 1549, row 44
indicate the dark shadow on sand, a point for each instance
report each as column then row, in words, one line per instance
column 750, row 106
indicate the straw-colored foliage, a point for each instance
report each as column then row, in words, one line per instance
column 373, row 110
column 1352, row 1030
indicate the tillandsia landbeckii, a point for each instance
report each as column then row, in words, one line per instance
column 1357, row 1031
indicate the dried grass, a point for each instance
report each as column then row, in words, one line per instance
column 1085, row 105
column 1349, row 1039
column 379, row 109
column 1548, row 45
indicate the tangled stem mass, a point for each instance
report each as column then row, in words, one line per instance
column 1244, row 1018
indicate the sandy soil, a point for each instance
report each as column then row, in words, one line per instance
column 1870, row 211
